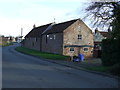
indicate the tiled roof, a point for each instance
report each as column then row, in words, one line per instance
column 36, row 32
column 59, row 28
column 105, row 34
column 56, row 28
column 78, row 46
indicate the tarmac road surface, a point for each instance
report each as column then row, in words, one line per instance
column 24, row 71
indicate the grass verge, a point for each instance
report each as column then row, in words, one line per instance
column 8, row 44
column 100, row 68
column 42, row 54
column 107, row 69
column 114, row 70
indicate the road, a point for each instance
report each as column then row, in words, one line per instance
column 24, row 71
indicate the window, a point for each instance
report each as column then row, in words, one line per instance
column 51, row 38
column 54, row 37
column 47, row 35
column 71, row 49
column 85, row 49
column 79, row 36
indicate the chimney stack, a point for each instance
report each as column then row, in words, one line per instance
column 34, row 26
column 96, row 30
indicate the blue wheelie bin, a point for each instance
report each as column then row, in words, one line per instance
column 81, row 57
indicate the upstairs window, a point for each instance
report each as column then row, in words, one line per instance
column 54, row 37
column 80, row 37
column 47, row 36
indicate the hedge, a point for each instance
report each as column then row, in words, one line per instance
column 110, row 52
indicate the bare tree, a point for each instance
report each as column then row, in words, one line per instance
column 106, row 15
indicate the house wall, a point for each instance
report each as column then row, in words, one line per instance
column 98, row 37
column 67, row 51
column 33, row 43
column 89, row 53
column 53, row 43
column 71, row 38
column 3, row 41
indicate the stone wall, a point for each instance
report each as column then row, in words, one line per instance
column 3, row 41
column 53, row 43
column 33, row 43
column 78, row 35
column 71, row 38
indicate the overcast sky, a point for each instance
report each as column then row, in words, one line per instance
column 17, row 14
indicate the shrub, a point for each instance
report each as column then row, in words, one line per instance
column 115, row 69
column 110, row 52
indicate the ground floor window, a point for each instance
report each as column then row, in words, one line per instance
column 85, row 49
column 71, row 49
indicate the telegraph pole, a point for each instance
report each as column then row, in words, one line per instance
column 54, row 20
column 21, row 33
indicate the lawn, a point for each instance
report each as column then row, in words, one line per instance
column 42, row 54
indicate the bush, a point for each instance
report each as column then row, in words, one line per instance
column 110, row 52
column 115, row 69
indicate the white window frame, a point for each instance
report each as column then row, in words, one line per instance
column 85, row 50
column 47, row 36
column 54, row 37
column 72, row 48
column 51, row 38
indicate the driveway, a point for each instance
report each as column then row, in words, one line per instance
column 24, row 71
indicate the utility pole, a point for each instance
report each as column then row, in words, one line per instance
column 21, row 33
column 54, row 20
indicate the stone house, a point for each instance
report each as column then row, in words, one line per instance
column 98, row 37
column 67, row 38
column 33, row 39
column 4, row 40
